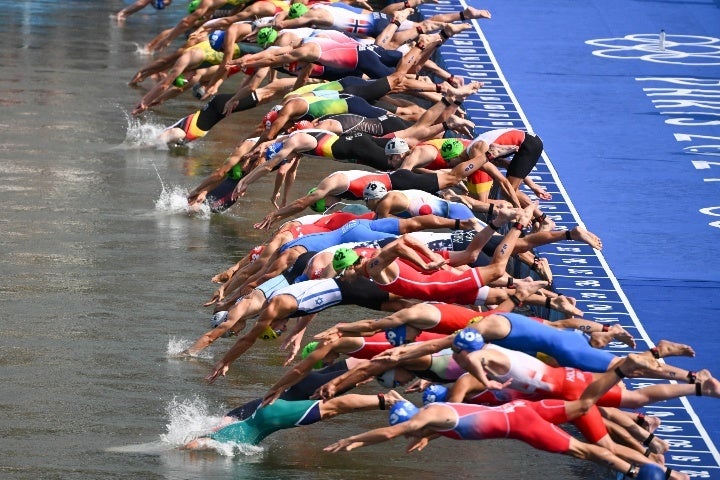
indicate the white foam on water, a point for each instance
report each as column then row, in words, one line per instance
column 173, row 200
column 176, row 346
column 189, row 419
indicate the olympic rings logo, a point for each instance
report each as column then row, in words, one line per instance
column 691, row 50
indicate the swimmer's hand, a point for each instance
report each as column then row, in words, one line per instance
column 239, row 190
column 266, row 222
column 418, row 385
column 270, row 397
column 495, row 385
column 418, row 443
column 332, row 331
column 436, row 265
column 220, row 368
column 217, row 296
column 326, row 392
column 344, row 445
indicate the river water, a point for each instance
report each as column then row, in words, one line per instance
column 104, row 275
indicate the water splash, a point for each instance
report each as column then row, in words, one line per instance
column 190, row 418
column 176, row 346
column 173, row 199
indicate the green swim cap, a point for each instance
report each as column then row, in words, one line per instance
column 318, row 206
column 343, row 258
column 235, row 173
column 451, row 148
column 266, row 36
column 180, row 81
column 297, row 10
column 307, row 350
column 193, row 5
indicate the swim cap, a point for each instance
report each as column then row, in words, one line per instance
column 397, row 335
column 396, row 146
column 216, row 39
column 266, row 36
column 272, row 150
column 434, row 393
column 318, row 206
column 193, row 5
column 468, row 339
column 236, row 172
column 374, row 191
column 297, row 10
column 344, row 257
column 307, row 350
column 387, row 379
column 218, row 318
column 180, row 81
column 451, row 148
column 269, row 334
column 270, row 118
column 651, row 471
column 262, row 22
column 302, row 125
column 402, row 412
column 158, row 4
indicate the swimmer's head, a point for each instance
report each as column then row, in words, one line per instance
column 396, row 336
column 374, row 191
column 451, row 148
column 343, row 258
column 266, row 36
column 396, row 146
column 297, row 10
column 301, row 125
column 180, row 81
column 158, row 4
column 402, row 412
column 434, row 393
column 307, row 350
column 217, row 39
column 236, row 172
column 193, row 5
column 320, row 206
column 270, row 118
column 273, row 149
column 468, row 340
column 269, row 333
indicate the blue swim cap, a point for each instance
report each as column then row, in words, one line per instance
column 216, row 39
column 158, row 4
column 434, row 393
column 651, row 471
column 396, row 336
column 402, row 412
column 272, row 150
column 468, row 339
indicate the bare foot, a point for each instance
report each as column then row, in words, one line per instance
column 402, row 15
column 652, row 422
column 579, row 234
column 622, row 335
column 637, row 363
column 542, row 267
column 710, row 386
column 524, row 289
column 464, row 91
column 658, row 445
column 565, row 305
column 461, row 126
column 471, row 224
column 658, row 458
column 451, row 29
column 471, row 12
column 671, row 349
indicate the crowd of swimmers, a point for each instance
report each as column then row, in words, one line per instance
column 418, row 234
